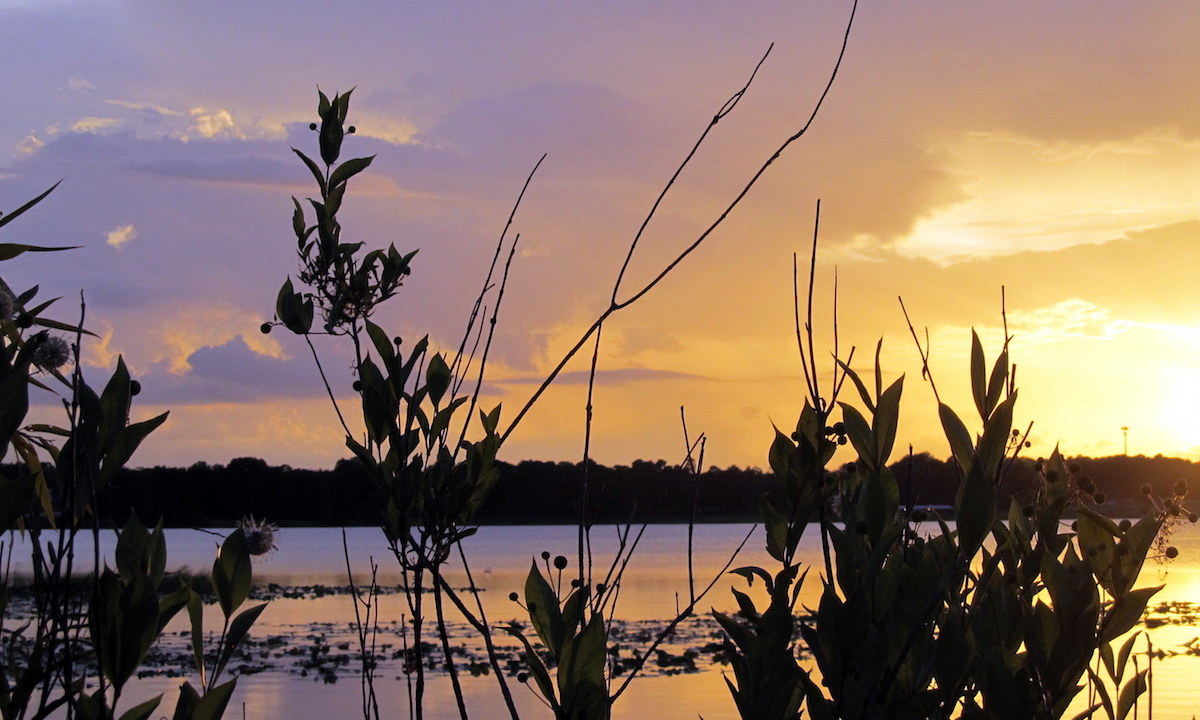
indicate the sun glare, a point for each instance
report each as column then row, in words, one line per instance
column 1180, row 409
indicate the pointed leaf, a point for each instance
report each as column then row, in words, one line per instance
column 316, row 171
column 126, row 444
column 237, row 631
column 6, row 219
column 544, row 612
column 1125, row 612
column 142, row 711
column 860, row 435
column 232, row 572
column 537, row 668
column 858, row 383
column 211, row 705
column 437, row 378
column 349, row 169
column 975, row 509
column 978, row 379
column 886, row 421
column 1130, row 693
column 960, row 439
column 998, row 381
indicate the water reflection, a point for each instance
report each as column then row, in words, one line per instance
column 319, row 618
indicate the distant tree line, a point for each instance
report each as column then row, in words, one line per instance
column 535, row 492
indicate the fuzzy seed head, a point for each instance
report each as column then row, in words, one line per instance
column 260, row 535
column 52, row 353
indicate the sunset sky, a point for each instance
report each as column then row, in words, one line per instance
column 1049, row 148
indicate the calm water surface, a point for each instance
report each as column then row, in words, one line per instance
column 655, row 584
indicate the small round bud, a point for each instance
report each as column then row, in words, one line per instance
column 1181, row 487
column 1145, row 489
column 1016, row 433
column 1172, row 552
column 839, row 428
column 600, row 588
column 357, row 386
column 265, row 328
column 1193, row 517
column 545, row 555
column 522, row 677
column 351, row 130
column 574, row 582
column 1125, row 524
column 1075, row 526
column 841, row 440
column 312, row 126
column 560, row 562
column 1074, row 468
column 1100, row 498
column 135, row 387
column 1028, row 444
column 796, row 436
column 513, row 596
column 397, row 341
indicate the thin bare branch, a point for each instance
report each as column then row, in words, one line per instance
column 727, row 108
column 487, row 281
column 814, row 389
column 614, row 305
column 680, row 617
column 923, row 351
column 328, row 390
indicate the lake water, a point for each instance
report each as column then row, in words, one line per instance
column 300, row 660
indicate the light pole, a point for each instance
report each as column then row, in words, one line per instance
column 1125, row 432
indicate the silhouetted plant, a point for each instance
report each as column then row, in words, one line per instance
column 414, row 443
column 996, row 618
column 93, row 629
column 413, row 408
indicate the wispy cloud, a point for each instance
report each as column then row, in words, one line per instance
column 77, row 84
column 94, row 124
column 118, row 237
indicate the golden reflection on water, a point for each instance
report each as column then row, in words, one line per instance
column 656, row 584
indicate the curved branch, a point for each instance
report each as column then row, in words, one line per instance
column 614, row 304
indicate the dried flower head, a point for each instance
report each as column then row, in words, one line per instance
column 260, row 535
column 7, row 304
column 52, row 353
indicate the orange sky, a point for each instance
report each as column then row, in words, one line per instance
column 1053, row 150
